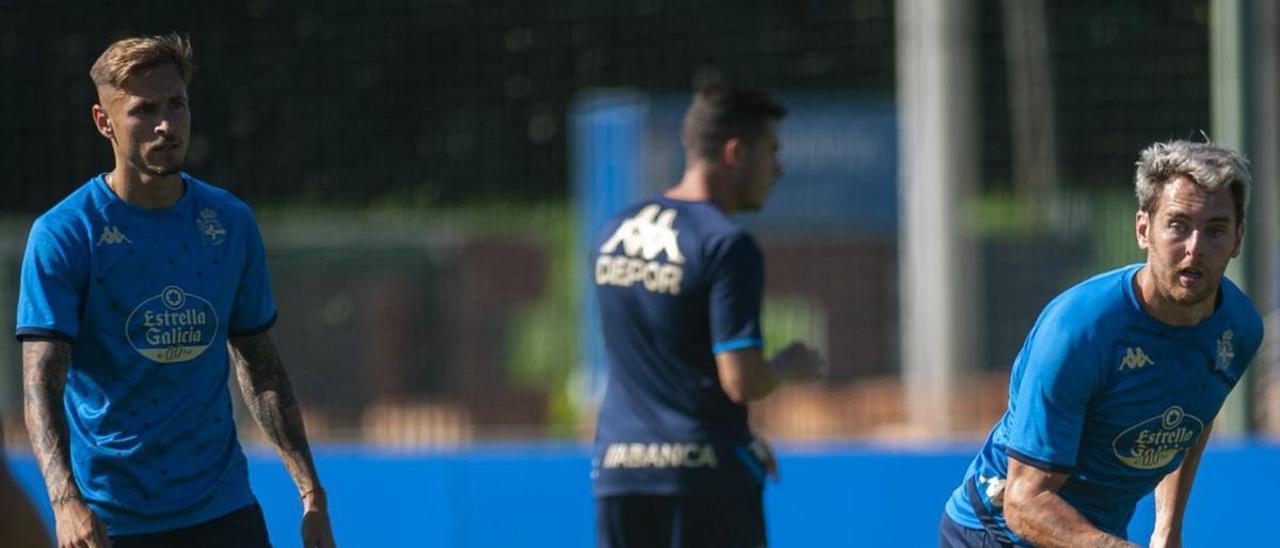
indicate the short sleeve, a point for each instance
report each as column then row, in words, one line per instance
column 254, row 308
column 737, row 285
column 1061, row 373
column 52, row 281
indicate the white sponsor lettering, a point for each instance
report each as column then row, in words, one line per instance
column 173, row 326
column 625, row 271
column 660, row 455
column 1155, row 442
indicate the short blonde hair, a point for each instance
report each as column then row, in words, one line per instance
column 126, row 57
column 1209, row 166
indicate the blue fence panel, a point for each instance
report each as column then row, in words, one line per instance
column 506, row 495
column 607, row 132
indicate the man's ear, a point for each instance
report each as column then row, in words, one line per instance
column 732, row 151
column 1142, row 227
column 102, row 122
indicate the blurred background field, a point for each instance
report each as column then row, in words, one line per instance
column 425, row 173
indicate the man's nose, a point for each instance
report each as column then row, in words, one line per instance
column 1195, row 243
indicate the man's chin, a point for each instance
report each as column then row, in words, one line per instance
column 1187, row 296
column 163, row 171
column 161, row 166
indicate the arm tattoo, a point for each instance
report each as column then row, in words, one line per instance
column 44, row 377
column 269, row 397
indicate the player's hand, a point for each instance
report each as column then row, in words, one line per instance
column 797, row 363
column 78, row 526
column 316, row 530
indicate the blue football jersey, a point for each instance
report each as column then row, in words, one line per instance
column 147, row 299
column 1105, row 393
column 677, row 282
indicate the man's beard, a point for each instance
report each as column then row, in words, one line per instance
column 154, row 170
column 1186, row 296
column 164, row 171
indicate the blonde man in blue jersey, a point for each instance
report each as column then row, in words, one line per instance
column 1114, row 392
column 137, row 291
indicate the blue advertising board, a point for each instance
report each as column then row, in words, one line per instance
column 539, row 494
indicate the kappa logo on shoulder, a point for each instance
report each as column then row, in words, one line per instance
column 1135, row 358
column 111, row 235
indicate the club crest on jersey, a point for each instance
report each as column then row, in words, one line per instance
column 210, row 229
column 174, row 326
column 642, row 240
column 111, row 235
column 1155, row 442
column 1226, row 351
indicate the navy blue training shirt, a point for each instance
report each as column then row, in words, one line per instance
column 677, row 283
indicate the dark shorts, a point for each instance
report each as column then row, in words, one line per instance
column 243, row 528
column 954, row 535
column 652, row 521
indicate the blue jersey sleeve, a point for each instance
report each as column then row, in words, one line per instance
column 737, row 285
column 254, row 309
column 54, row 273
column 1060, row 373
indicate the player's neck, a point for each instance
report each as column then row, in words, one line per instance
column 143, row 190
column 703, row 183
column 1163, row 308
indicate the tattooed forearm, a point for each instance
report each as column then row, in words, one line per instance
column 269, row 397
column 44, row 377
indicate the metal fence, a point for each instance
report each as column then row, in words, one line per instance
column 411, row 164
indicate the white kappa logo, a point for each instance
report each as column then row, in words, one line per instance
column 111, row 235
column 646, row 235
column 1135, row 358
